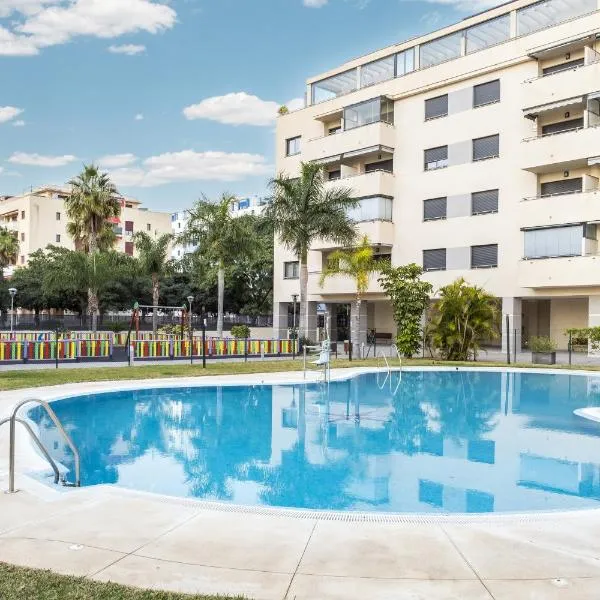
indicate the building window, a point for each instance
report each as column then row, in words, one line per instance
column 334, row 130
column 484, row 257
column 335, row 86
column 436, row 158
column 405, row 62
column 377, row 71
column 486, row 93
column 22, row 214
column 374, row 208
column 562, row 126
column 551, row 12
column 381, row 165
column 434, row 209
column 486, row 147
column 291, row 270
column 58, row 238
column 562, row 186
column 434, row 260
column 129, row 248
column 436, row 107
column 292, row 146
column 148, row 227
column 22, row 259
column 334, row 175
column 565, row 66
column 484, row 202
column 58, row 216
column 129, row 226
column 487, row 34
column 22, row 237
column 371, row 111
column 554, row 241
column 441, row 50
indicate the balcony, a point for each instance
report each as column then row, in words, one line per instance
column 350, row 144
column 380, row 233
column 569, row 149
column 565, row 271
column 560, row 208
column 340, row 286
column 367, row 184
column 551, row 88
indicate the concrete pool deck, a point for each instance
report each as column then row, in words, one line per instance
column 111, row 534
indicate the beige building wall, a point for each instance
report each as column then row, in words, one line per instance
column 534, row 106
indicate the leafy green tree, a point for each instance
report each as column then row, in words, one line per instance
column 9, row 248
column 357, row 263
column 154, row 261
column 90, row 206
column 303, row 210
column 220, row 238
column 410, row 298
column 464, row 317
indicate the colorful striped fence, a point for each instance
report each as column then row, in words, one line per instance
column 53, row 350
column 11, row 350
column 26, row 336
column 94, row 348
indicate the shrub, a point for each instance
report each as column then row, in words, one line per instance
column 240, row 332
column 542, row 344
column 117, row 327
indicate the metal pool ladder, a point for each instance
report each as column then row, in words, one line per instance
column 13, row 420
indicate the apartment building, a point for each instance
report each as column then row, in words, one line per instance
column 39, row 218
column 475, row 152
column 241, row 206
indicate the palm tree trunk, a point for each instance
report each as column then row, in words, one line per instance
column 303, row 328
column 155, row 298
column 220, row 299
column 93, row 306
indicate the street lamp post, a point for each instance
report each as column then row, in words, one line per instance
column 13, row 292
column 204, row 337
column 294, row 335
column 190, row 300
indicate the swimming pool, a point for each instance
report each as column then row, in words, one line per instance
column 424, row 441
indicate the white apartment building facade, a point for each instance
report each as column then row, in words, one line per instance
column 475, row 151
column 39, row 218
column 241, row 206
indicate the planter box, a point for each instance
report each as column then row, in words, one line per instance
column 543, row 358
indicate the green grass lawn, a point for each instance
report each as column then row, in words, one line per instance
column 17, row 583
column 13, row 380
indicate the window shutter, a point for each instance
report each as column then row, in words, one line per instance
column 562, row 126
column 434, row 208
column 436, row 107
column 436, row 157
column 562, row 186
column 486, row 147
column 434, row 260
column 484, row 202
column 486, row 93
column 484, row 256
column 572, row 64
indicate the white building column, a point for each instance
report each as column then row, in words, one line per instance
column 313, row 321
column 280, row 320
column 512, row 307
column 358, row 326
column 594, row 311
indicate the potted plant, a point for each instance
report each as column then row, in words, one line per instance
column 543, row 350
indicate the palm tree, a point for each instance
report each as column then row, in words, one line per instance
column 220, row 238
column 9, row 248
column 359, row 264
column 304, row 210
column 90, row 206
column 154, row 261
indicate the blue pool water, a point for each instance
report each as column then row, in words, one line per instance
column 425, row 441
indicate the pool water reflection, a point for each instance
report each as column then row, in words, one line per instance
column 425, row 441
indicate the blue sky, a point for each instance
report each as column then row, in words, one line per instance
column 175, row 98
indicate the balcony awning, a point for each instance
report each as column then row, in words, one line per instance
column 594, row 96
column 593, row 161
column 562, row 48
column 369, row 150
column 329, row 159
column 534, row 111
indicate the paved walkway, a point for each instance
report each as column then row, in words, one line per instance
column 108, row 534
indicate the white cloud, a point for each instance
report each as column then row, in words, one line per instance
column 188, row 165
column 113, row 161
column 238, row 108
column 139, row 117
column 129, row 49
column 315, row 3
column 19, row 123
column 39, row 160
column 51, row 22
column 8, row 113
